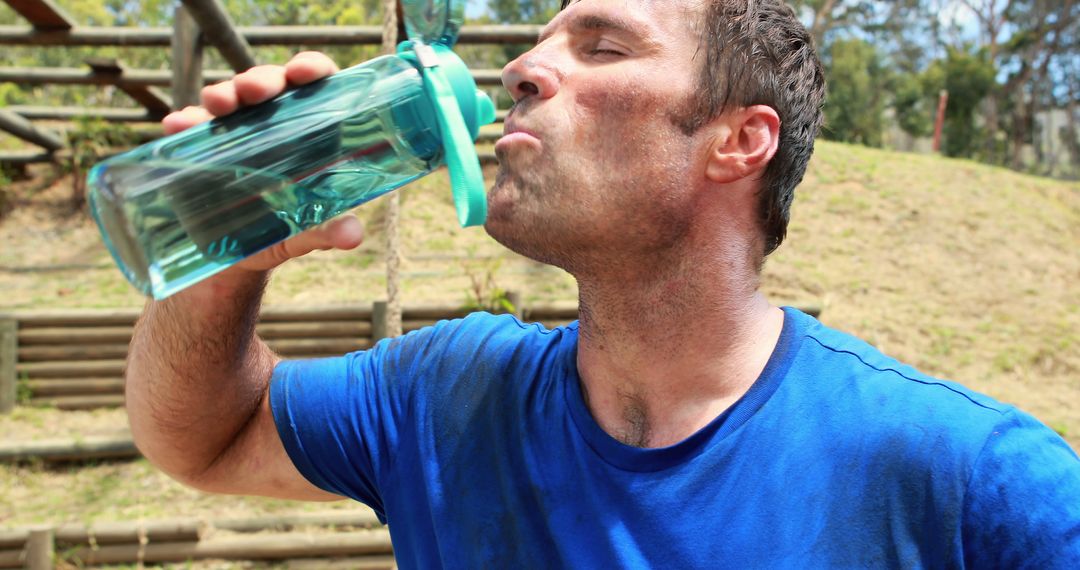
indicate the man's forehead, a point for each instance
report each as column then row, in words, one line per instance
column 642, row 16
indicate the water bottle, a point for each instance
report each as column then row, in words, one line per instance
column 187, row 206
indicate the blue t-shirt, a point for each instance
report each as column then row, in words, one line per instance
column 472, row 441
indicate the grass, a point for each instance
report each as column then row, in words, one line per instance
column 963, row 270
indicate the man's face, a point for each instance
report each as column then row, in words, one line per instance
column 594, row 165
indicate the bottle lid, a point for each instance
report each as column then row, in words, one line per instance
column 434, row 21
column 460, row 110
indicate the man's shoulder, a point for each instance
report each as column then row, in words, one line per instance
column 856, row 379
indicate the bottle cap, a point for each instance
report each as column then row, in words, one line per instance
column 460, row 110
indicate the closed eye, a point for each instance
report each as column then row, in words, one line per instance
column 606, row 48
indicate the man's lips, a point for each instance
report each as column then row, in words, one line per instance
column 515, row 134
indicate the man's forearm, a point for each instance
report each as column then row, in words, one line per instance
column 197, row 372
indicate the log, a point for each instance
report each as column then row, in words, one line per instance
column 187, row 58
column 50, row 336
column 110, row 114
column 330, row 313
column 72, row 369
column 434, row 313
column 92, row 447
column 42, row 389
column 12, row 558
column 43, row 14
column 76, row 352
column 365, row 563
column 156, row 103
column 552, row 312
column 22, row 128
column 257, row 547
column 77, row 317
column 255, row 36
column 8, row 353
column 318, row 347
column 220, row 32
column 70, row 403
column 360, row 329
column 128, row 532
column 26, row 157
column 40, row 549
column 55, row 336
column 363, row 517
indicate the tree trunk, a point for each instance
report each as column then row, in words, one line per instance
column 393, row 209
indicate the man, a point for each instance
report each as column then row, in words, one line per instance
column 684, row 422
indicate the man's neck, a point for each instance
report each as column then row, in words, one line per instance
column 662, row 356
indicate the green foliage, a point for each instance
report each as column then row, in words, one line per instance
column 913, row 109
column 853, row 109
column 968, row 76
column 483, row 293
column 90, row 141
column 23, row 393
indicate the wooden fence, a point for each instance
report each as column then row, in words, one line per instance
column 75, row 359
column 347, row 539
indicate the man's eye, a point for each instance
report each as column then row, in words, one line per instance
column 606, row 48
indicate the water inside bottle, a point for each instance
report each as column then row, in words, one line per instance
column 184, row 220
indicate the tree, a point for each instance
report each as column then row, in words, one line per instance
column 855, row 102
column 968, row 76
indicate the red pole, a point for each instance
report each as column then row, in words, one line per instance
column 943, row 101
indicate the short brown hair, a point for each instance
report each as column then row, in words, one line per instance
column 758, row 53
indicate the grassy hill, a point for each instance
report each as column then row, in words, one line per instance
column 966, row 271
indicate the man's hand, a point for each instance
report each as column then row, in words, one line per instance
column 252, row 87
column 197, row 373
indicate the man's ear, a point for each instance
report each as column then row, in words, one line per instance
column 746, row 142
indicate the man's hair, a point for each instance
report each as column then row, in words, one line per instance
column 758, row 53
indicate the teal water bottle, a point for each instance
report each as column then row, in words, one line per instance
column 187, row 206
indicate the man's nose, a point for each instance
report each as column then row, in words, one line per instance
column 527, row 75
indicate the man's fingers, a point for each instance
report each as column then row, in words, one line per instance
column 345, row 232
column 184, row 119
column 220, row 98
column 308, row 66
column 260, row 83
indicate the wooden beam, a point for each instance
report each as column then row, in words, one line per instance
column 8, row 352
column 24, row 129
column 154, row 77
column 23, row 158
column 220, row 32
column 40, row 112
column 255, row 36
column 157, row 104
column 187, row 59
column 43, row 14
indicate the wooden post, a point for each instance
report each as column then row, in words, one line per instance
column 221, row 33
column 378, row 321
column 393, row 206
column 187, row 59
column 939, row 119
column 40, row 548
column 8, row 352
column 514, row 298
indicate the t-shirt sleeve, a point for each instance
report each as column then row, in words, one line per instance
column 1022, row 508
column 340, row 418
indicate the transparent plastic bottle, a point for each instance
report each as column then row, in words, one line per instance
column 187, row 206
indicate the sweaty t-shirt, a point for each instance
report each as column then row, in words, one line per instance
column 471, row 440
